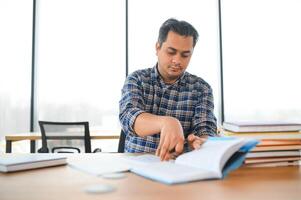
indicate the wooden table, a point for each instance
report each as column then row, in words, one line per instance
column 64, row 182
column 33, row 136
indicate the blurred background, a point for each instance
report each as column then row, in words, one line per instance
column 66, row 60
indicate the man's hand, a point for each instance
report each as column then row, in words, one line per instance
column 195, row 142
column 171, row 138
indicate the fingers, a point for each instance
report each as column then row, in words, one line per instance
column 173, row 155
column 191, row 138
column 166, row 157
column 164, row 150
column 163, row 153
column 158, row 151
column 195, row 142
column 179, row 148
column 170, row 150
column 171, row 138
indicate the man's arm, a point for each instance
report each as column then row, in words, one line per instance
column 148, row 124
column 204, row 121
column 131, row 104
column 134, row 120
column 170, row 129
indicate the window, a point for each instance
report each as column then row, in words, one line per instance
column 261, row 60
column 80, row 61
column 15, row 65
column 145, row 19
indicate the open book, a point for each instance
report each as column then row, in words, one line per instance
column 216, row 158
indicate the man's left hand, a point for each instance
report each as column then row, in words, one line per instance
column 195, row 142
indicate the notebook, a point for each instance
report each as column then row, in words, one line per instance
column 19, row 162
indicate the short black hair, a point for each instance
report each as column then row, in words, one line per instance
column 180, row 27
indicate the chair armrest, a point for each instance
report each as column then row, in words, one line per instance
column 73, row 148
column 97, row 150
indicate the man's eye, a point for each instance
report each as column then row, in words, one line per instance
column 185, row 55
column 171, row 52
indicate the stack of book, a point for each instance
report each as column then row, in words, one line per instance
column 280, row 143
column 242, row 127
column 275, row 152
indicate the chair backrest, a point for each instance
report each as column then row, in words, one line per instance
column 121, row 142
column 65, row 135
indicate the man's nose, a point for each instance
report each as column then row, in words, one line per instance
column 176, row 60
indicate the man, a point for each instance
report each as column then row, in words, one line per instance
column 164, row 107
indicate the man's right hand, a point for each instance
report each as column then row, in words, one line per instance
column 171, row 138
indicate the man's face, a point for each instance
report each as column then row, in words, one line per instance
column 174, row 56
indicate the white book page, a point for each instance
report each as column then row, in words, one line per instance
column 98, row 167
column 168, row 172
column 143, row 159
column 212, row 155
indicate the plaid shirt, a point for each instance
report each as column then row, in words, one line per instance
column 189, row 99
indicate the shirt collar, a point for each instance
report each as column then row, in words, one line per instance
column 155, row 76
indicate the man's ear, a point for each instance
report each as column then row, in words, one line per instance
column 158, row 47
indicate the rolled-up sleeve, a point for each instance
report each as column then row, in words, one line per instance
column 131, row 104
column 204, row 121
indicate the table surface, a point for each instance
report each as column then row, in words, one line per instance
column 64, row 182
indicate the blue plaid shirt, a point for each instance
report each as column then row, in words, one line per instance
column 189, row 99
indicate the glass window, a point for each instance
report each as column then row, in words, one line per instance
column 261, row 60
column 15, row 65
column 145, row 19
column 81, row 61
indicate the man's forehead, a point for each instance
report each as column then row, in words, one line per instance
column 179, row 42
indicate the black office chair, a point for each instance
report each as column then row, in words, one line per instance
column 65, row 137
column 121, row 142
